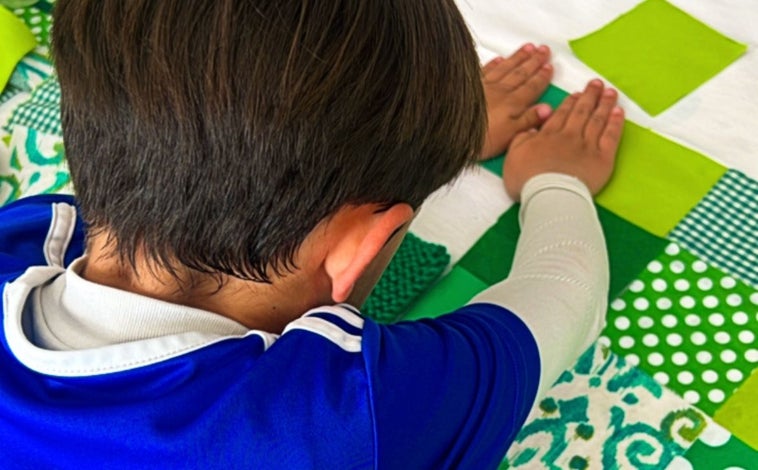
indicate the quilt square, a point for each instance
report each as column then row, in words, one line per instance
column 723, row 228
column 16, row 39
column 739, row 414
column 657, row 53
column 657, row 181
column 451, row 292
column 688, row 324
column 605, row 413
column 416, row 265
column 716, row 449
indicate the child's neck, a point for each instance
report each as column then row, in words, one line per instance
column 267, row 307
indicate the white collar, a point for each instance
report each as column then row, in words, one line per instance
column 133, row 340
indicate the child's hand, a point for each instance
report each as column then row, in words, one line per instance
column 579, row 139
column 511, row 86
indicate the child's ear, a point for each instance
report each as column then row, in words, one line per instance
column 357, row 237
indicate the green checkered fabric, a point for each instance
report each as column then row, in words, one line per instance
column 723, row 227
column 42, row 112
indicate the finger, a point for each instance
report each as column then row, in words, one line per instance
column 526, row 70
column 533, row 117
column 599, row 118
column 506, row 65
column 535, row 85
column 611, row 136
column 558, row 119
column 584, row 107
column 489, row 66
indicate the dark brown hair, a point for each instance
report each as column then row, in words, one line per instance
column 218, row 133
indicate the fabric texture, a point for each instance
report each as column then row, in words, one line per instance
column 16, row 39
column 647, row 427
column 416, row 265
column 36, row 165
column 689, row 325
column 739, row 413
column 37, row 17
column 721, row 451
column 723, row 228
column 657, row 53
column 657, row 182
column 43, row 110
column 455, row 289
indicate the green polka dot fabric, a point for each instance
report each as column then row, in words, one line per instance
column 689, row 325
column 414, row 268
column 723, row 227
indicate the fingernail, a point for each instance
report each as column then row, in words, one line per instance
column 547, row 66
column 529, row 47
column 596, row 82
column 609, row 92
column 544, row 111
column 544, row 49
column 617, row 110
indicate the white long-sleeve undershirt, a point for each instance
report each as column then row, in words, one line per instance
column 558, row 284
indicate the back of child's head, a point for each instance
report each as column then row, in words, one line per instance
column 218, row 133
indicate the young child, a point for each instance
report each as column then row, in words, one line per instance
column 244, row 172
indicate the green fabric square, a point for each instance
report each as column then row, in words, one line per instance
column 739, row 414
column 723, row 227
column 656, row 181
column 730, row 455
column 417, row 264
column 690, row 325
column 657, row 53
column 629, row 249
column 451, row 292
column 491, row 257
column 16, row 41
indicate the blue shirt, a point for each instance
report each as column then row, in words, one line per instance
column 335, row 390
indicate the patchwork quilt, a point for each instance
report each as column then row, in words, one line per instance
column 671, row 383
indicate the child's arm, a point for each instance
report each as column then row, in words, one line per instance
column 558, row 284
column 454, row 391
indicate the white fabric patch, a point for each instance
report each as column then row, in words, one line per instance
column 458, row 214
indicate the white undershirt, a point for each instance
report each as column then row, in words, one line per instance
column 72, row 313
column 558, row 285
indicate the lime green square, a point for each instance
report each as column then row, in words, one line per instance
column 739, row 414
column 16, row 41
column 657, row 53
column 657, row 181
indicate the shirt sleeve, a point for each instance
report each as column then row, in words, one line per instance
column 558, row 284
column 450, row 392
